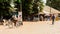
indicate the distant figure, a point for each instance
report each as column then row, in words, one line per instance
column 53, row 18
column 48, row 18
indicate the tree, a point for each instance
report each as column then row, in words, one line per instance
column 30, row 7
column 27, row 7
column 6, row 7
column 18, row 5
column 54, row 3
column 38, row 6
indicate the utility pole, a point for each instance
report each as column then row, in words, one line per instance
column 50, row 6
column 38, row 13
column 38, row 10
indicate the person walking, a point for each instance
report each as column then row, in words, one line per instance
column 53, row 18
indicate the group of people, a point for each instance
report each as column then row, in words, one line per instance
column 42, row 17
column 48, row 18
column 15, row 20
column 11, row 20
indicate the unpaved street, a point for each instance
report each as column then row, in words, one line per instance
column 40, row 27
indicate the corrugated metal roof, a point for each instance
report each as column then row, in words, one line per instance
column 47, row 9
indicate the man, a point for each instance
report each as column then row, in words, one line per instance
column 53, row 18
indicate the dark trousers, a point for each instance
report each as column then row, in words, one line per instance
column 53, row 21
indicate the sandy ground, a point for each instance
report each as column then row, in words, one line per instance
column 40, row 27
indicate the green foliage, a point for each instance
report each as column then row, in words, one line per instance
column 54, row 3
column 38, row 3
column 27, row 7
column 6, row 7
column 30, row 7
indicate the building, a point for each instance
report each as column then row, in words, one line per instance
column 49, row 10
